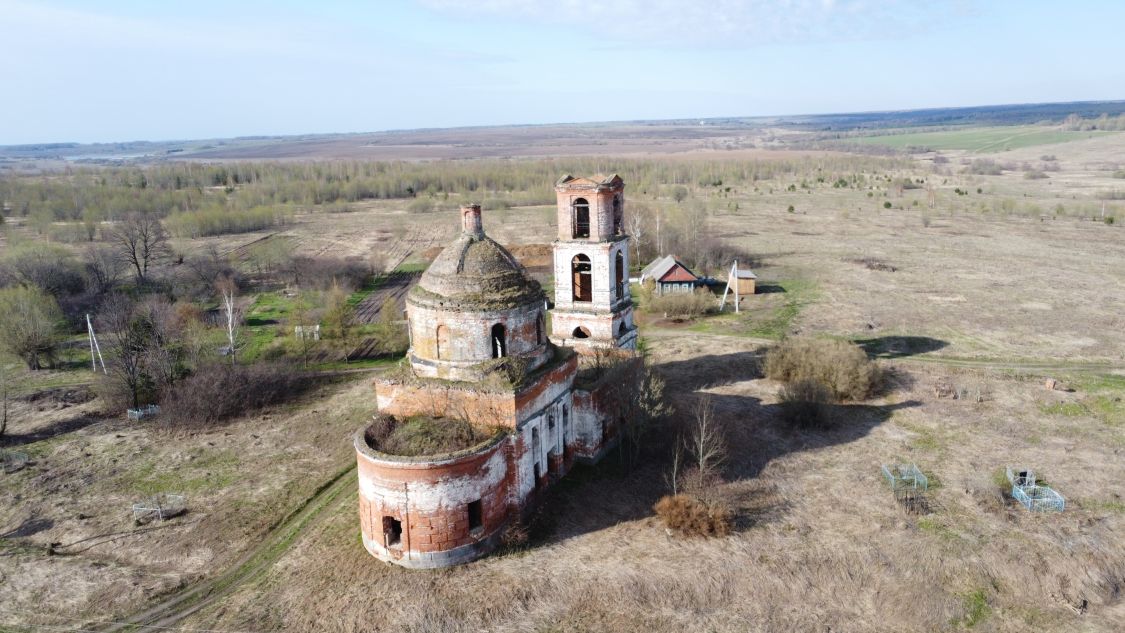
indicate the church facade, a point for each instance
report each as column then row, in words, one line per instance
column 480, row 353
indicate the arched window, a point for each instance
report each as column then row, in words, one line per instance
column 580, row 332
column 499, row 341
column 618, row 216
column 581, row 218
column 539, row 328
column 619, row 276
column 441, row 342
column 621, row 331
column 582, row 280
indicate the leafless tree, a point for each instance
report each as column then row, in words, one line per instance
column 165, row 351
column 129, row 336
column 706, row 441
column 103, row 268
column 227, row 289
column 141, row 241
column 675, row 468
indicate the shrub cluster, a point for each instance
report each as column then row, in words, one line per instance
column 691, row 516
column 220, row 221
column 806, row 403
column 840, row 366
column 219, row 392
column 684, row 305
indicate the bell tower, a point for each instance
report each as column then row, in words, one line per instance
column 593, row 307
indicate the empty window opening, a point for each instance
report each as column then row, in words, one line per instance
column 539, row 329
column 476, row 515
column 581, row 218
column 582, row 278
column 621, row 331
column 551, row 421
column 536, row 451
column 392, row 531
column 618, row 217
column 499, row 342
column 580, row 332
column 442, row 342
column 619, row 285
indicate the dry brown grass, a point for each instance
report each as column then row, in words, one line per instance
column 818, row 539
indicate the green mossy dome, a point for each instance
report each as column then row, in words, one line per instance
column 476, row 272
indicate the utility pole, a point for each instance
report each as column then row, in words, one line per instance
column 94, row 347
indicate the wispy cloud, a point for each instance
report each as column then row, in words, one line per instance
column 673, row 23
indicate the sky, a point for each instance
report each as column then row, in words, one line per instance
column 126, row 70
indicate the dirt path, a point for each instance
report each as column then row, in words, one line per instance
column 179, row 605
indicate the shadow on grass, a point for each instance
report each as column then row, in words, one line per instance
column 899, row 346
column 768, row 288
column 54, row 429
column 592, row 498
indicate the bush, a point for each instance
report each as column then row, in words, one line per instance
column 842, row 367
column 887, row 205
column 985, row 167
column 806, row 403
column 684, row 305
column 219, row 392
column 692, row 517
column 1034, row 174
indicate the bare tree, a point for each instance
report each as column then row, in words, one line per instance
column 140, row 240
column 129, row 336
column 164, row 357
column 227, row 289
column 706, row 441
column 103, row 268
column 675, row 468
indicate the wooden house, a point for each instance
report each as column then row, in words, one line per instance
column 670, row 276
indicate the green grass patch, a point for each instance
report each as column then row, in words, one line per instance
column 1110, row 409
column 1105, row 505
column 976, row 607
column 207, row 470
column 1065, row 409
column 979, row 139
column 411, row 267
column 767, row 315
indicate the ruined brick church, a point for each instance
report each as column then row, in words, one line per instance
column 480, row 353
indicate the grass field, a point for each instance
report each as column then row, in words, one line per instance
column 1002, row 283
column 979, row 139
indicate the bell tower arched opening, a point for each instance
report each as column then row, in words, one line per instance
column 582, row 275
column 581, row 218
column 619, row 276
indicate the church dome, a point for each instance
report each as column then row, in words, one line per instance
column 475, row 272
